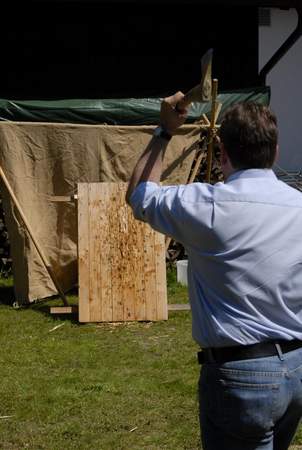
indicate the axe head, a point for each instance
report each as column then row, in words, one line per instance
column 203, row 91
column 206, row 77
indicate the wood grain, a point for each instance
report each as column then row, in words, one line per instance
column 122, row 273
column 83, row 252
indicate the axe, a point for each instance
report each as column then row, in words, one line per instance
column 203, row 91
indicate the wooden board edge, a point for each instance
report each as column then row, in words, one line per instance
column 64, row 309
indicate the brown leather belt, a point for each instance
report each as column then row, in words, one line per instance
column 236, row 353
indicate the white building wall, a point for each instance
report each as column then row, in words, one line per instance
column 285, row 81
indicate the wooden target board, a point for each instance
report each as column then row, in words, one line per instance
column 122, row 271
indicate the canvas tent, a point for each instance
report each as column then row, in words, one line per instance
column 46, row 148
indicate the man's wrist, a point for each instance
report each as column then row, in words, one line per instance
column 162, row 133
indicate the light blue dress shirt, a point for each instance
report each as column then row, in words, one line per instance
column 244, row 245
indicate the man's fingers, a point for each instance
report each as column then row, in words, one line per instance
column 174, row 99
column 183, row 112
column 172, row 113
column 173, row 102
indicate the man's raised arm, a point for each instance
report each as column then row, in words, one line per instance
column 149, row 166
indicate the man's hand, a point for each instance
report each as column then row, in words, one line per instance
column 170, row 117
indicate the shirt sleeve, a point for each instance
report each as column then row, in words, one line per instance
column 161, row 207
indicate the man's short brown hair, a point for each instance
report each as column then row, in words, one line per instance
column 249, row 134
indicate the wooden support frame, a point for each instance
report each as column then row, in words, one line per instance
column 212, row 129
column 74, row 309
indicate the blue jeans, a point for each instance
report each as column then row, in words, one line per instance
column 253, row 404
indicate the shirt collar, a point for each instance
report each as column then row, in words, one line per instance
column 251, row 173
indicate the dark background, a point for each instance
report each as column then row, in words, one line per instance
column 52, row 50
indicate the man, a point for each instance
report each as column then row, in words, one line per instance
column 243, row 239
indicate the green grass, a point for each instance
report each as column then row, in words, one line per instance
column 97, row 387
column 177, row 293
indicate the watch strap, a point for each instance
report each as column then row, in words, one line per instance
column 162, row 133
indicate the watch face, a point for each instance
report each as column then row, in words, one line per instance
column 160, row 132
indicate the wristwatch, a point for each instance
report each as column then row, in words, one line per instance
column 162, row 133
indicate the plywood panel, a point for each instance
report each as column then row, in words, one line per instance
column 160, row 267
column 83, row 252
column 122, row 274
column 150, row 274
column 105, row 292
column 115, row 237
column 138, row 267
column 94, row 211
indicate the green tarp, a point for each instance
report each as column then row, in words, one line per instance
column 130, row 111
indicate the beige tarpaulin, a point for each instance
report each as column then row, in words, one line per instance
column 42, row 160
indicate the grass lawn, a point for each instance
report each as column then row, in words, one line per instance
column 94, row 386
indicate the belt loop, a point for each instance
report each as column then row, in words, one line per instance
column 279, row 351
